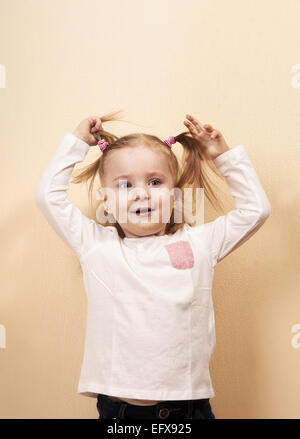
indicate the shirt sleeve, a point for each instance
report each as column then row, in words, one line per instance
column 252, row 206
column 76, row 230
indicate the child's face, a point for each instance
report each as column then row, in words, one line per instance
column 139, row 177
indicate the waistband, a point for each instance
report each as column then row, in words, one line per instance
column 161, row 409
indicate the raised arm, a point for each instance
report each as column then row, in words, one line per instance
column 78, row 231
column 252, row 206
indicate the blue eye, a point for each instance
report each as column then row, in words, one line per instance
column 159, row 182
column 120, row 185
column 126, row 182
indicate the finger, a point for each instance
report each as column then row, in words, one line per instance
column 196, row 131
column 92, row 120
column 208, row 128
column 194, row 121
column 214, row 134
column 193, row 128
column 97, row 126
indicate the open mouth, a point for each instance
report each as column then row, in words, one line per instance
column 143, row 212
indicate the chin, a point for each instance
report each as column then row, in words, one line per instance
column 147, row 231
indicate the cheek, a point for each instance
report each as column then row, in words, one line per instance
column 114, row 205
column 122, row 201
column 161, row 196
column 166, row 202
column 165, row 206
column 165, row 199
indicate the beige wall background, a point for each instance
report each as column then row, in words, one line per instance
column 232, row 63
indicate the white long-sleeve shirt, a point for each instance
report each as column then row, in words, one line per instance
column 150, row 329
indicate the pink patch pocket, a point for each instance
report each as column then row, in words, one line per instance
column 181, row 254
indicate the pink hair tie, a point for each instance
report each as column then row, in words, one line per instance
column 103, row 145
column 170, row 141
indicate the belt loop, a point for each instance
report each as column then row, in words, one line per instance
column 122, row 409
column 190, row 408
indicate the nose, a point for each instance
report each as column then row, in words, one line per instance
column 140, row 192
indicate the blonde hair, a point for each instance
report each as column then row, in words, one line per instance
column 191, row 173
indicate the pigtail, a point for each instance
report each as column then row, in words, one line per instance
column 90, row 171
column 194, row 169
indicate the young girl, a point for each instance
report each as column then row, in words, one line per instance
column 150, row 322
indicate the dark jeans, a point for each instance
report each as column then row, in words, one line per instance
column 182, row 409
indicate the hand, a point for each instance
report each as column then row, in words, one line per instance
column 86, row 128
column 211, row 140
